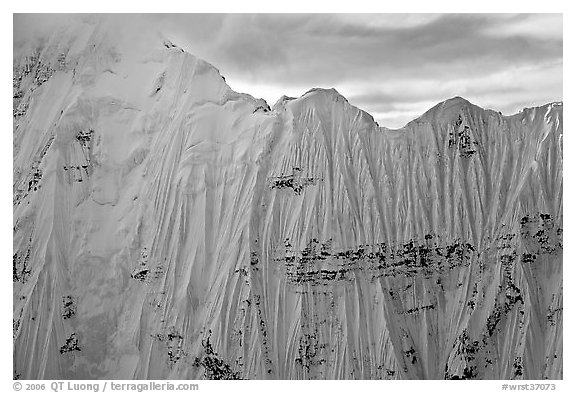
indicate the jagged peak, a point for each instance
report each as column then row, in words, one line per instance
column 316, row 93
column 325, row 99
column 319, row 95
column 457, row 100
column 282, row 102
column 448, row 110
column 326, row 92
column 454, row 103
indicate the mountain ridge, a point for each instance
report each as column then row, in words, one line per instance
column 161, row 42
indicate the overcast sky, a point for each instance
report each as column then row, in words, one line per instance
column 394, row 66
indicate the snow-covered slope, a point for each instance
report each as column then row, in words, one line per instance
column 166, row 226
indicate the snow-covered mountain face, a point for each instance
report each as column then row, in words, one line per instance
column 166, row 226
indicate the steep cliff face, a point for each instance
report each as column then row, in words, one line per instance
column 166, row 226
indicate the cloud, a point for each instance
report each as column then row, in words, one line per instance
column 537, row 26
column 534, row 81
